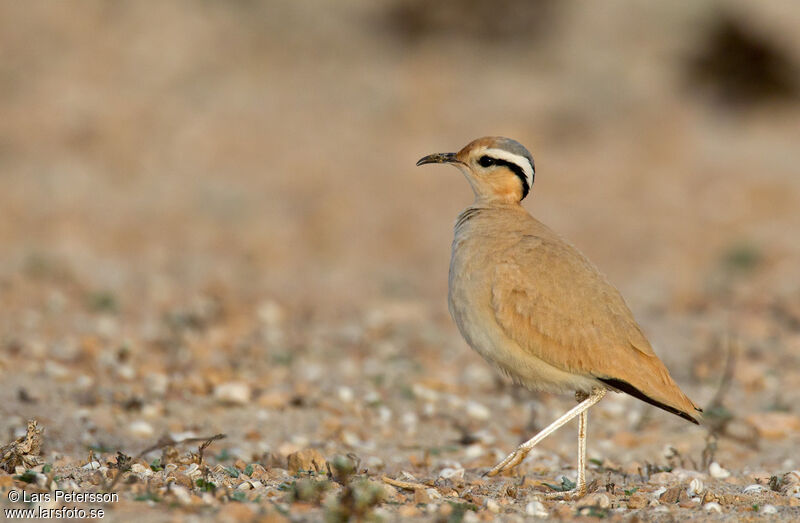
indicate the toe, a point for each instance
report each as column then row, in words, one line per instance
column 507, row 464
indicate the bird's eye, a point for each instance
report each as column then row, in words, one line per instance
column 486, row 161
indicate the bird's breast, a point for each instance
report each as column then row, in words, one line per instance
column 472, row 264
column 470, row 299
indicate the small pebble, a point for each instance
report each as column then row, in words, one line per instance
column 138, row 468
column 774, row 425
column 597, row 499
column 424, row 393
column 152, row 411
column 486, row 437
column 233, row 392
column 181, row 494
column 474, row 451
column 350, row 438
column 713, row 507
column 492, row 506
column 309, row 460
column 687, row 475
column 792, row 478
column 157, row 383
column 793, row 491
column 374, row 463
column 300, row 440
column 385, row 414
column 637, row 500
column 180, row 436
column 477, row 411
column 452, row 473
column 662, row 478
column 409, row 420
column 536, row 509
column 125, row 372
column 83, row 381
column 270, row 313
column 768, row 509
column 92, row 465
column 41, row 480
column 55, row 370
column 672, row 495
column 717, row 471
column 141, row 429
column 433, row 493
column 345, row 394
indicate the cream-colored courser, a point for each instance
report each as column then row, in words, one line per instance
column 536, row 308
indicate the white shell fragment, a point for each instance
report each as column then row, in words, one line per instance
column 696, row 487
column 752, row 489
column 716, row 471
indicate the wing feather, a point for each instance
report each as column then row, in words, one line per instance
column 557, row 306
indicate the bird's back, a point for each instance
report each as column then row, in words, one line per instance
column 532, row 304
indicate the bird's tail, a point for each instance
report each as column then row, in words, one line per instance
column 675, row 402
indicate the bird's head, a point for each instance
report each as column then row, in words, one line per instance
column 498, row 169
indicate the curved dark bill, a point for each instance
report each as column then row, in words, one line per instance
column 438, row 158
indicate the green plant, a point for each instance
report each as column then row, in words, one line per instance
column 28, row 476
column 566, row 485
column 205, row 485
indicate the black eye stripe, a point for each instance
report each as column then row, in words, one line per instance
column 516, row 169
column 486, row 161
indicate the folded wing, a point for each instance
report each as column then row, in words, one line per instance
column 555, row 304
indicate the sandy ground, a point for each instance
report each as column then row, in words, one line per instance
column 210, row 223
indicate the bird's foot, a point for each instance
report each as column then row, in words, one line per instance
column 510, row 461
column 568, row 495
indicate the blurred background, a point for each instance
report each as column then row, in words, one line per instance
column 270, row 146
column 199, row 172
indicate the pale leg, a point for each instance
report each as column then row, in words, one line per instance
column 516, row 457
column 580, row 487
column 580, row 484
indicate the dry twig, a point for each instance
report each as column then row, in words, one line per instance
column 407, row 485
column 124, row 462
